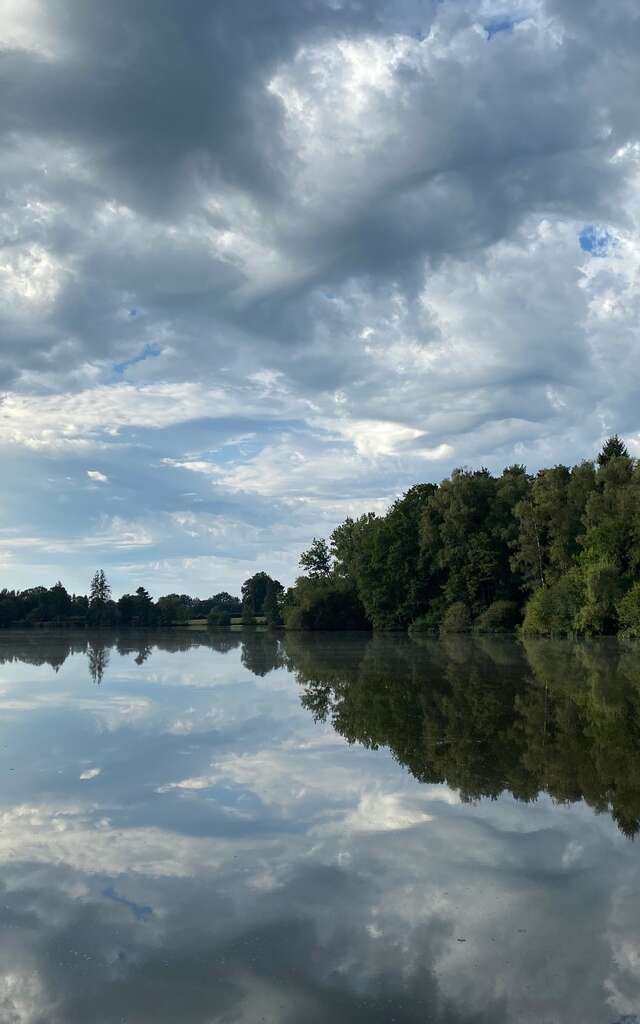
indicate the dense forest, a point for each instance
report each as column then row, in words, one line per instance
column 555, row 553
column 551, row 554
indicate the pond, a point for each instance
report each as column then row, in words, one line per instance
column 236, row 828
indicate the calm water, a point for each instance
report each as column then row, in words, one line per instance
column 200, row 830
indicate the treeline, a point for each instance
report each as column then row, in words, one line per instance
column 261, row 600
column 55, row 606
column 555, row 553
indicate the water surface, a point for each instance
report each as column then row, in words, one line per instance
column 257, row 828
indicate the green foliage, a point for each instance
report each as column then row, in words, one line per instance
column 318, row 603
column 499, row 617
column 430, row 622
column 612, row 516
column 199, row 609
column 218, row 618
column 456, row 619
column 466, row 528
column 348, row 542
column 613, row 448
column 41, row 607
column 423, row 624
column 137, row 609
column 248, row 614
column 554, row 610
column 384, row 559
column 540, row 617
column 602, row 591
column 550, row 519
column 100, row 590
column 172, row 610
column 490, row 544
column 272, row 606
column 254, row 593
column 102, row 610
column 629, row 612
column 317, row 559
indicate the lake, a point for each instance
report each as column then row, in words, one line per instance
column 236, row 828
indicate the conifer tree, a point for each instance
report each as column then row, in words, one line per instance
column 613, row 448
column 100, row 589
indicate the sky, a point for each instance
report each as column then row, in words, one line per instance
column 264, row 265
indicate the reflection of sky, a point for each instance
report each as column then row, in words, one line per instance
column 183, row 843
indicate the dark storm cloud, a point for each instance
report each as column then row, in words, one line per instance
column 164, row 104
column 164, row 94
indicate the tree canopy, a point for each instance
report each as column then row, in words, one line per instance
column 558, row 551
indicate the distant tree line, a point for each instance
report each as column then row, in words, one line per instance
column 55, row 606
column 555, row 553
column 262, row 600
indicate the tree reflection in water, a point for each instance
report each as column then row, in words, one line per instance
column 485, row 716
column 98, row 655
column 489, row 716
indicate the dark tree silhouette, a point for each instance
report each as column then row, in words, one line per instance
column 316, row 560
column 613, row 448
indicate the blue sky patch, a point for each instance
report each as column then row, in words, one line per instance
column 596, row 240
column 149, row 352
column 496, row 25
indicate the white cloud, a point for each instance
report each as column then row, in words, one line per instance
column 29, row 277
column 380, row 812
column 68, row 835
column 196, row 783
column 376, row 437
column 67, row 420
column 117, row 532
column 23, row 25
column 97, row 476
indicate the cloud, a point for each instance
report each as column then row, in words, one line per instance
column 97, row 476
column 373, row 241
column 96, row 416
column 116, row 532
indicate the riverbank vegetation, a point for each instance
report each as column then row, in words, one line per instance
column 555, row 553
